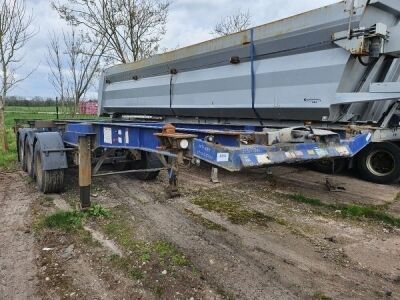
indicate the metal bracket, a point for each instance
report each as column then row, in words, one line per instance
column 296, row 135
column 128, row 172
column 173, row 172
column 102, row 160
column 363, row 41
column 392, row 111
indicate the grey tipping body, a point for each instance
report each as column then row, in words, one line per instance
column 300, row 73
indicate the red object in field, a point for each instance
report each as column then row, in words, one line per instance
column 88, row 107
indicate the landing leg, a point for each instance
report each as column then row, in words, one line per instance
column 214, row 175
column 173, row 172
column 85, row 171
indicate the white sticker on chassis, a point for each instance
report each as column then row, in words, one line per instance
column 222, row 157
column 107, row 132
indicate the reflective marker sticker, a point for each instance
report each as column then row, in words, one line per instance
column 311, row 152
column 222, row 157
column 299, row 153
column 369, row 137
column 107, row 132
column 126, row 136
column 290, row 155
column 263, row 159
column 321, row 152
column 342, row 150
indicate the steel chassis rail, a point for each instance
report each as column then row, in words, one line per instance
column 228, row 147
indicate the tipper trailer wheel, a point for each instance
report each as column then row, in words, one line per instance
column 329, row 166
column 21, row 154
column 28, row 156
column 380, row 163
column 50, row 181
column 148, row 161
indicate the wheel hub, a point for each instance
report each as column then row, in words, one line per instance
column 381, row 163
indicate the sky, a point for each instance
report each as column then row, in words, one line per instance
column 189, row 22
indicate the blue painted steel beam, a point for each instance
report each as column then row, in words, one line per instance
column 250, row 156
column 225, row 152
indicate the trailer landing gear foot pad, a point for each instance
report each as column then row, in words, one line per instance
column 172, row 189
column 85, row 197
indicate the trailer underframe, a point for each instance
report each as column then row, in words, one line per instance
column 156, row 146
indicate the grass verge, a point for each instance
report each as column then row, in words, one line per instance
column 8, row 158
column 229, row 205
column 205, row 222
column 350, row 210
column 69, row 221
column 162, row 252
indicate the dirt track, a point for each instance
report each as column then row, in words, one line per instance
column 17, row 256
column 294, row 251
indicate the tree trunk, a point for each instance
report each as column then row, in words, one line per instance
column 77, row 100
column 3, row 132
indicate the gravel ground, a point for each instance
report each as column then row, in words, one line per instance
column 244, row 238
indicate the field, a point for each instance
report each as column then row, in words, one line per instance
column 13, row 113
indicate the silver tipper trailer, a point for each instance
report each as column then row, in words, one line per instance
column 336, row 68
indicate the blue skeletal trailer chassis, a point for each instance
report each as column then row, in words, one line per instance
column 48, row 148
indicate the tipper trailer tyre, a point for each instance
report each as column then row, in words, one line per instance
column 21, row 154
column 28, row 156
column 49, row 181
column 148, row 161
column 329, row 166
column 379, row 163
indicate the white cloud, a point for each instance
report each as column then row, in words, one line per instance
column 189, row 22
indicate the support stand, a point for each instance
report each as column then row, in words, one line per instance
column 214, row 175
column 85, row 171
column 173, row 187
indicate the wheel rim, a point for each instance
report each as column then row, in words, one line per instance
column 22, row 154
column 39, row 175
column 381, row 163
column 28, row 159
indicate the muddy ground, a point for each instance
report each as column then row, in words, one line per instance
column 254, row 235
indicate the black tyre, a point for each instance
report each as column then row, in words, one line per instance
column 125, row 164
column 329, row 166
column 148, row 161
column 379, row 163
column 28, row 156
column 51, row 181
column 21, row 154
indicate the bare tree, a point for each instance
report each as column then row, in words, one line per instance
column 15, row 32
column 56, row 63
column 74, row 64
column 131, row 28
column 233, row 23
column 83, row 63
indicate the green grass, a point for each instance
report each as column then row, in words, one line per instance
column 8, row 159
column 69, row 221
column 320, row 296
column 205, row 222
column 351, row 210
column 228, row 204
column 63, row 220
column 118, row 229
column 39, row 109
column 123, row 263
column 167, row 250
column 96, row 210
column 136, row 274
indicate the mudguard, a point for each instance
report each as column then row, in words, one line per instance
column 51, row 150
